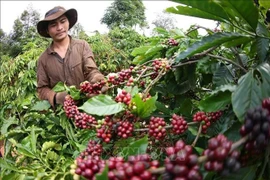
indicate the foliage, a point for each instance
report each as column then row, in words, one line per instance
column 125, row 14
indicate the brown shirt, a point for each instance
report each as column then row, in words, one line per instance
column 77, row 66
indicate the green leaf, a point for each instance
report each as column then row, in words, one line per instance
column 238, row 41
column 102, row 105
column 161, row 107
column 75, row 93
column 223, row 75
column 6, row 165
column 7, row 123
column 246, row 10
column 264, row 70
column 246, row 173
column 144, row 108
column 59, row 87
column 154, row 49
column 33, row 139
column 247, row 95
column 51, row 155
column 23, row 149
column 136, row 147
column 103, row 175
column 41, row 106
column 215, row 102
column 252, row 88
column 140, row 50
column 262, row 47
column 208, row 42
column 49, row 145
column 206, row 9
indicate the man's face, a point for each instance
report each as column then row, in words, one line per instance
column 58, row 28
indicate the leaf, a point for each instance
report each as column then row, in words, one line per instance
column 75, row 93
column 49, row 145
column 7, row 123
column 136, row 147
column 208, row 42
column 264, row 70
column 41, row 106
column 140, row 50
column 247, row 95
column 215, row 102
column 102, row 105
column 161, row 107
column 252, row 88
column 223, row 75
column 262, row 47
column 246, row 173
column 246, row 10
column 59, row 87
column 23, row 150
column 103, row 175
column 218, row 99
column 205, row 9
column 33, row 139
column 154, row 49
column 6, row 165
column 144, row 108
column 51, row 155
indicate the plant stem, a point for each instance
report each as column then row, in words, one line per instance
column 197, row 137
column 228, row 60
column 166, row 127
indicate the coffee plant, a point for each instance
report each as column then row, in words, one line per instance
column 189, row 106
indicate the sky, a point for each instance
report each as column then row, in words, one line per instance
column 91, row 12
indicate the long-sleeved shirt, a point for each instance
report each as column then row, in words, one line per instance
column 77, row 66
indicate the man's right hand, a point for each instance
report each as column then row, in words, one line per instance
column 60, row 97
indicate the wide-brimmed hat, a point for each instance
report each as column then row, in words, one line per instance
column 53, row 14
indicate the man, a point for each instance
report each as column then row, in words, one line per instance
column 66, row 60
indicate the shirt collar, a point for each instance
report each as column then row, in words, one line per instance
column 51, row 51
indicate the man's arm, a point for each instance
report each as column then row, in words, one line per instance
column 91, row 72
column 43, row 89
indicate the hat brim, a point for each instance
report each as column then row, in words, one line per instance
column 43, row 24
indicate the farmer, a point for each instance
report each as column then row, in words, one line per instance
column 66, row 60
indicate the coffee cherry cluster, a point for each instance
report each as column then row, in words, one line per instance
column 125, row 129
column 219, row 157
column 70, row 108
column 84, row 121
column 88, row 88
column 172, row 42
column 123, row 97
column 135, row 168
column 89, row 167
column 202, row 117
column 179, row 125
column 157, row 128
column 93, row 149
column 257, row 126
column 214, row 116
column 159, row 64
column 181, row 163
column 104, row 129
column 120, row 77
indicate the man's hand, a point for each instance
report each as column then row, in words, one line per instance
column 97, row 78
column 60, row 97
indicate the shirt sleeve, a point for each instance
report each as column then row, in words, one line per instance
column 90, row 68
column 43, row 89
